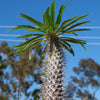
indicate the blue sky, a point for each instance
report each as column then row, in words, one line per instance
column 10, row 9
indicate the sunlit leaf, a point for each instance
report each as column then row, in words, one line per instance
column 53, row 12
column 34, row 21
column 72, row 22
column 22, row 27
column 65, row 22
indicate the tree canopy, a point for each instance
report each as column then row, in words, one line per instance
column 17, row 74
column 86, row 82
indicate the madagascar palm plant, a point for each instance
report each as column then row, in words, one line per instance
column 50, row 35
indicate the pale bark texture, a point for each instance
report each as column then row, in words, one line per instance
column 52, row 85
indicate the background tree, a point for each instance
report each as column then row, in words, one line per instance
column 4, row 88
column 17, row 74
column 86, row 83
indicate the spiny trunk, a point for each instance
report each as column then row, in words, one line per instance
column 52, row 86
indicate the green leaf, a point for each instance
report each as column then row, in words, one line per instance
column 81, row 42
column 72, row 40
column 31, row 28
column 49, row 18
column 73, row 31
column 68, row 33
column 65, row 46
column 66, row 5
column 77, row 30
column 43, row 55
column 34, row 21
column 37, row 52
column 76, row 25
column 70, row 48
column 83, row 46
column 45, row 20
column 12, row 52
column 25, row 36
column 59, row 17
column 37, row 29
column 28, row 46
column 31, row 40
column 63, row 23
column 30, row 35
column 55, row 28
column 22, row 27
column 53, row 12
column 72, row 22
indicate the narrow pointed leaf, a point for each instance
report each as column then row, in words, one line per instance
column 72, row 22
column 37, row 29
column 37, row 52
column 71, row 50
column 76, row 25
column 34, row 21
column 30, row 41
column 83, row 46
column 29, row 46
column 45, row 20
column 50, row 21
column 73, row 31
column 25, row 36
column 66, row 5
column 77, row 30
column 22, row 27
column 59, row 17
column 72, row 40
column 65, row 47
column 12, row 52
column 53, row 12
column 43, row 55
column 69, row 33
column 24, row 43
column 65, row 22
column 29, row 35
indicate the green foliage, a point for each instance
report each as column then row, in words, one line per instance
column 51, row 27
column 34, row 21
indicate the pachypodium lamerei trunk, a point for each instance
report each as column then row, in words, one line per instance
column 52, row 86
